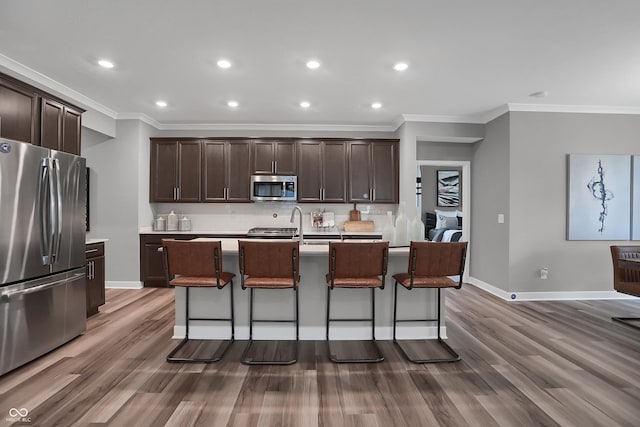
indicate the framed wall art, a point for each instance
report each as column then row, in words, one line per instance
column 599, row 197
column 448, row 193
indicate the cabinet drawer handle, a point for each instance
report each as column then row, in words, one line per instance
column 90, row 251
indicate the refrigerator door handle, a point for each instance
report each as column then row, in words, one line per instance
column 57, row 194
column 45, row 200
column 7, row 295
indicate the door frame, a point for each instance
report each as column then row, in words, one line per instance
column 466, row 197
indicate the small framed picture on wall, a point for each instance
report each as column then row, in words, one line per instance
column 448, row 193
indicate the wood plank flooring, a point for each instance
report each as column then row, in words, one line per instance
column 523, row 364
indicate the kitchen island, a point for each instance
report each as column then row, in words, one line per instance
column 312, row 298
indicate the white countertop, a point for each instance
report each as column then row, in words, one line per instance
column 230, row 246
column 310, row 233
column 95, row 240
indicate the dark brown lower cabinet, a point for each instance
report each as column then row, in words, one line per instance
column 95, row 277
column 152, row 273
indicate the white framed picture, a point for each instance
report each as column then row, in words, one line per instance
column 599, row 193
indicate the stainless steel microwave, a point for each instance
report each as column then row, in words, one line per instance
column 274, row 187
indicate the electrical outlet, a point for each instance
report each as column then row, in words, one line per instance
column 544, row 273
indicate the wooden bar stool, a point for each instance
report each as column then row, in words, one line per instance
column 270, row 265
column 356, row 265
column 430, row 264
column 192, row 264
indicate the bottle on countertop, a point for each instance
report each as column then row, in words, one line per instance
column 388, row 231
column 416, row 228
column 402, row 227
column 172, row 221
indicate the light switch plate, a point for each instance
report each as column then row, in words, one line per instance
column 500, row 218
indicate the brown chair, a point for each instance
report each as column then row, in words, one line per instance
column 269, row 265
column 192, row 264
column 430, row 264
column 626, row 276
column 357, row 265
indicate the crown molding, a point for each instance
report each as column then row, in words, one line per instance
column 22, row 72
column 139, row 116
column 270, row 127
column 585, row 109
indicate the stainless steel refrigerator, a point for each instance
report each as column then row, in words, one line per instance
column 42, row 251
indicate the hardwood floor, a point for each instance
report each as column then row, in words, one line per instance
column 523, row 364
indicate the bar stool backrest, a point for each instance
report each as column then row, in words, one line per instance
column 625, row 280
column 196, row 259
column 357, row 259
column 437, row 259
column 269, row 259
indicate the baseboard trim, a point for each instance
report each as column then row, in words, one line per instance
column 547, row 296
column 122, row 285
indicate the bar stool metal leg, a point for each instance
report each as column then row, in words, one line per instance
column 171, row 357
column 379, row 357
column 245, row 360
column 455, row 356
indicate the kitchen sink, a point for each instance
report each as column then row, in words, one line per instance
column 272, row 232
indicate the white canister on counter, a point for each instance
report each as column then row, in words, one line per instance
column 185, row 224
column 160, row 224
column 172, row 221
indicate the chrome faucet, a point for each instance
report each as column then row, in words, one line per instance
column 293, row 215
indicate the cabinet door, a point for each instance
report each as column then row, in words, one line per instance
column 51, row 122
column 359, row 164
column 310, row 167
column 190, row 167
column 384, row 174
column 18, row 113
column 238, row 167
column 164, row 171
column 71, row 127
column 152, row 272
column 285, row 157
column 95, row 285
column 334, row 172
column 214, row 180
column 263, row 158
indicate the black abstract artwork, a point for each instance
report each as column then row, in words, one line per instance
column 599, row 191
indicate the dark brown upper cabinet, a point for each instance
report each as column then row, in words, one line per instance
column 60, row 127
column 18, row 112
column 176, row 168
column 322, row 171
column 30, row 115
column 373, row 171
column 225, row 176
column 274, row 157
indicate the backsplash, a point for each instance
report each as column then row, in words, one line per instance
column 243, row 216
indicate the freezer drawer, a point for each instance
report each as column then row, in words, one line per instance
column 40, row 315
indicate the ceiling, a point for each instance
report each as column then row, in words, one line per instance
column 466, row 58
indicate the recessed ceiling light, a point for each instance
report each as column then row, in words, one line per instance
column 305, row 104
column 313, row 64
column 106, row 64
column 233, row 104
column 223, row 63
column 400, row 66
column 376, row 105
column 161, row 103
column 539, row 94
